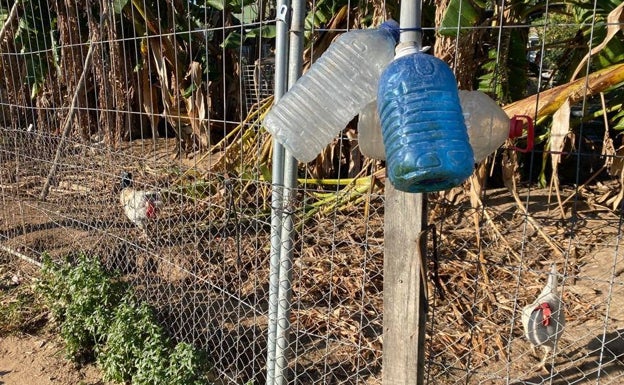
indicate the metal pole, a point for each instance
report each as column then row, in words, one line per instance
column 295, row 63
column 277, row 202
column 411, row 15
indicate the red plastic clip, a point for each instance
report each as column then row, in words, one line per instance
column 516, row 127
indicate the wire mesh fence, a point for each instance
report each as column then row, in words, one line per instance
column 175, row 94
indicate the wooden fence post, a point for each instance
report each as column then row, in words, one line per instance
column 405, row 299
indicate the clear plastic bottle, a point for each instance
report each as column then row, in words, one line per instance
column 424, row 133
column 486, row 122
column 337, row 86
column 369, row 132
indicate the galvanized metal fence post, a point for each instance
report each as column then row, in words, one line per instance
column 277, row 201
column 290, row 183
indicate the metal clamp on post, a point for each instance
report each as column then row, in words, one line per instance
column 281, row 13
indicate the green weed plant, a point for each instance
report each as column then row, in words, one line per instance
column 99, row 317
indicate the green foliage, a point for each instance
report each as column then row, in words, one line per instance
column 53, row 288
column 502, row 74
column 247, row 11
column 592, row 20
column 516, row 66
column 81, row 298
column 320, row 15
column 99, row 315
column 138, row 351
column 461, row 14
column 555, row 33
column 616, row 102
column 491, row 82
column 34, row 39
column 235, row 39
column 118, row 5
column 3, row 16
column 616, row 107
column 267, row 32
column 235, row 6
column 587, row 12
column 135, row 345
column 185, row 363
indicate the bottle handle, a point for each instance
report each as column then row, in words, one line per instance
column 516, row 126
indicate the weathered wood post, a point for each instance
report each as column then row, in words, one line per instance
column 404, row 295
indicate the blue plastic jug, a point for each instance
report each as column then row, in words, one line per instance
column 423, row 128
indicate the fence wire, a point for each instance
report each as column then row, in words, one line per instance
column 180, row 104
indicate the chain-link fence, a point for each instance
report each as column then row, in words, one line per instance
column 174, row 93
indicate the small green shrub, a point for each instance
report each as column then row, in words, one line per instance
column 135, row 345
column 186, row 364
column 53, row 287
column 82, row 298
column 152, row 362
column 138, row 351
column 99, row 315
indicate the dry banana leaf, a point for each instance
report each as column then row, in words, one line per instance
column 559, row 132
column 196, row 104
column 548, row 102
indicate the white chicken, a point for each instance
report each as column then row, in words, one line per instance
column 139, row 206
column 544, row 319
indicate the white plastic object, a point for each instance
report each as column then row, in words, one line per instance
column 369, row 132
column 335, row 89
column 487, row 124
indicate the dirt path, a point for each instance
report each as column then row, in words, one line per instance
column 39, row 360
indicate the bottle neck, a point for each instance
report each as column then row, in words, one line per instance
column 406, row 48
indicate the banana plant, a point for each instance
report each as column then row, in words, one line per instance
column 175, row 54
column 35, row 39
column 604, row 45
column 243, row 12
column 592, row 51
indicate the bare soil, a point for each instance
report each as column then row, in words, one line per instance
column 31, row 351
column 27, row 359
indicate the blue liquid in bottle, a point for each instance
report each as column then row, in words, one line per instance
column 423, row 128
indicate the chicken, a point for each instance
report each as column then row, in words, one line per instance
column 544, row 319
column 139, row 206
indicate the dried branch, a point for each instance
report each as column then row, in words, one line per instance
column 68, row 124
column 9, row 20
